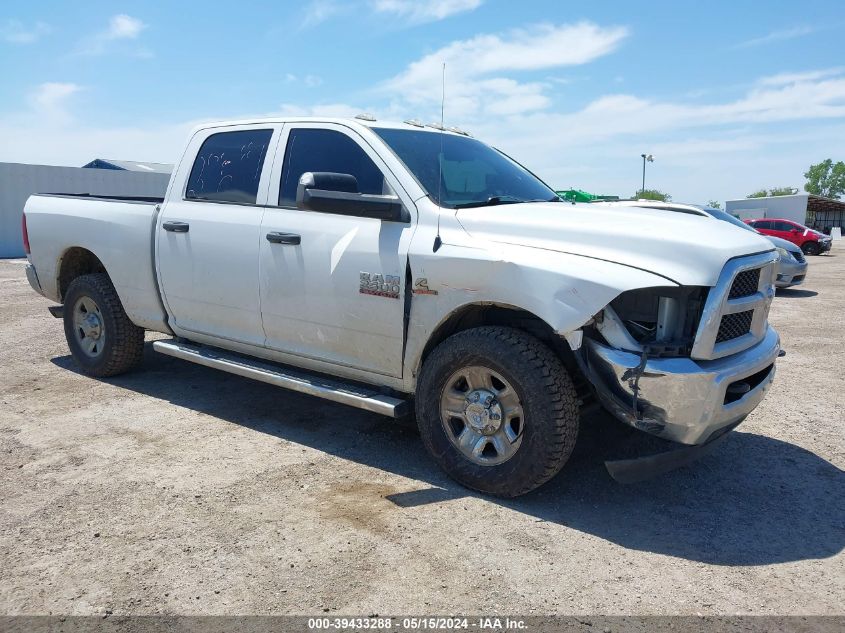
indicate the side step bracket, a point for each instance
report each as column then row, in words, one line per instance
column 295, row 380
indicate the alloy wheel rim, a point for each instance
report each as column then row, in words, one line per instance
column 482, row 415
column 88, row 326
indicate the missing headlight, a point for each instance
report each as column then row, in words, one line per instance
column 665, row 318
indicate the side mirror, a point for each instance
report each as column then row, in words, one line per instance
column 327, row 192
column 796, row 230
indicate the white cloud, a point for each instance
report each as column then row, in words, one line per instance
column 474, row 67
column 79, row 143
column 778, row 36
column 791, row 78
column 15, row 32
column 310, row 81
column 501, row 87
column 318, row 11
column 624, row 115
column 121, row 28
column 341, row 110
column 420, row 11
column 124, row 26
column 50, row 99
column 705, row 150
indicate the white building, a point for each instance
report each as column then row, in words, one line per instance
column 18, row 181
column 814, row 211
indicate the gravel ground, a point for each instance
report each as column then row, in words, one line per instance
column 178, row 489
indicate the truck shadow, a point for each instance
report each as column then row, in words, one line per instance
column 754, row 501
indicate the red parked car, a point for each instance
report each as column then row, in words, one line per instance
column 811, row 242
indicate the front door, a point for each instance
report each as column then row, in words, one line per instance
column 208, row 236
column 788, row 231
column 332, row 286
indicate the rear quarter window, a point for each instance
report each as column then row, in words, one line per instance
column 228, row 167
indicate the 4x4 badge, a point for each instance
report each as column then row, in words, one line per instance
column 421, row 287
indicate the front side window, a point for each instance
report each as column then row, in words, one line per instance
column 315, row 150
column 784, row 226
column 457, row 171
column 228, row 167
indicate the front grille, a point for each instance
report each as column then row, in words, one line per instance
column 745, row 284
column 798, row 255
column 734, row 325
column 735, row 314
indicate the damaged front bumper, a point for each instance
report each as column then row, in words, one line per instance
column 681, row 399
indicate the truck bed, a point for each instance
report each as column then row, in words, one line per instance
column 94, row 196
column 117, row 230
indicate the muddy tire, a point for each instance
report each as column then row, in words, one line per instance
column 497, row 410
column 102, row 339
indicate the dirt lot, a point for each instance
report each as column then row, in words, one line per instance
column 178, row 489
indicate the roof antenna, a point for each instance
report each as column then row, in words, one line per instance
column 437, row 241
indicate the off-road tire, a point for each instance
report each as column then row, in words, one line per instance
column 811, row 248
column 123, row 348
column 546, row 394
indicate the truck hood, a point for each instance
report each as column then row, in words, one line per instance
column 686, row 248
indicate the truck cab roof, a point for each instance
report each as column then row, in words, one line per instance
column 360, row 121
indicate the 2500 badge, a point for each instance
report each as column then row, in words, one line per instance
column 379, row 285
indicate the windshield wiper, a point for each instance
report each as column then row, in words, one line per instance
column 490, row 202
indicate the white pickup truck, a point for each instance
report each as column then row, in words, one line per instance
column 408, row 269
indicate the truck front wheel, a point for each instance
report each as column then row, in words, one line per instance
column 497, row 410
column 102, row 339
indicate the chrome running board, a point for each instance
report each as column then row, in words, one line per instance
column 352, row 395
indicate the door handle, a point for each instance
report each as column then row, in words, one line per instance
column 176, row 227
column 283, row 238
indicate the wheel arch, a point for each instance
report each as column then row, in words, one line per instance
column 75, row 262
column 471, row 315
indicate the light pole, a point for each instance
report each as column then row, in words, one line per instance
column 649, row 158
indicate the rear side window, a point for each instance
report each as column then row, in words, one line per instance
column 228, row 167
column 326, row 150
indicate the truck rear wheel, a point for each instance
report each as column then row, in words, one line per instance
column 102, row 339
column 497, row 410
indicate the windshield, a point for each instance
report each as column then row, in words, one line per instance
column 473, row 174
column 727, row 217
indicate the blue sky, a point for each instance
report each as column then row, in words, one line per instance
column 729, row 96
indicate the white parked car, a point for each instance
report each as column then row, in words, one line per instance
column 394, row 267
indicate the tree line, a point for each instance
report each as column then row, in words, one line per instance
column 826, row 179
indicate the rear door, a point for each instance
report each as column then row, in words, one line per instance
column 208, row 234
column 332, row 290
